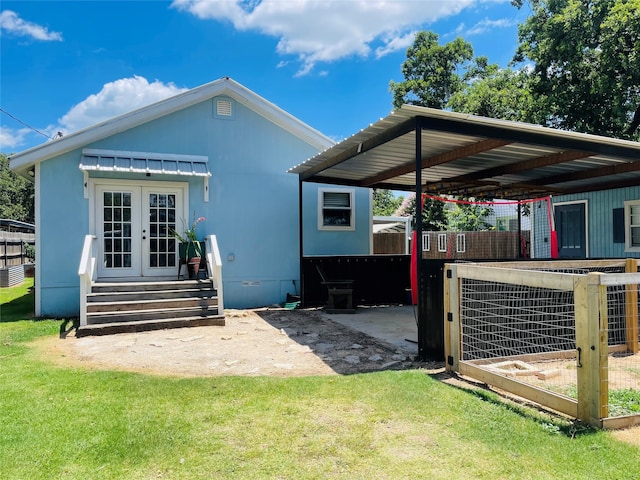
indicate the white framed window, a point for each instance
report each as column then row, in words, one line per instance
column 426, row 242
column 336, row 209
column 632, row 225
column 461, row 243
column 442, row 242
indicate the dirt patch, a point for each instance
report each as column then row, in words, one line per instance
column 273, row 342
column 628, row 435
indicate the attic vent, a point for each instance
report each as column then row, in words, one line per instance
column 223, row 108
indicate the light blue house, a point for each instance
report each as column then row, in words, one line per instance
column 219, row 151
column 598, row 224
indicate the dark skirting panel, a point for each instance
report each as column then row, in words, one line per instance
column 383, row 280
column 377, row 279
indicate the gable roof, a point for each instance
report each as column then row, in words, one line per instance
column 21, row 162
column 466, row 155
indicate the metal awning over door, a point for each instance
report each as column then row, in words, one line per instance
column 143, row 162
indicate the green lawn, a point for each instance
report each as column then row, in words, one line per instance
column 70, row 423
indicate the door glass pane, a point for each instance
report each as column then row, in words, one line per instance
column 162, row 214
column 117, row 230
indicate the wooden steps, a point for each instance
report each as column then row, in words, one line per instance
column 140, row 306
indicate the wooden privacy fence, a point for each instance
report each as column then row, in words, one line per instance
column 490, row 245
column 13, row 248
column 475, row 245
column 562, row 334
column 390, row 243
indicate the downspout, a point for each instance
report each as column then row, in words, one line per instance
column 421, row 324
column 38, row 223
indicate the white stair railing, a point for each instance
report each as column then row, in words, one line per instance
column 86, row 272
column 214, row 266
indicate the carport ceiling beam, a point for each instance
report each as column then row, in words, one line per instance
column 617, row 169
column 553, row 159
column 444, row 188
column 633, row 182
column 463, row 152
column 558, row 140
column 373, row 142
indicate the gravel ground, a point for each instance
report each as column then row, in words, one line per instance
column 274, row 342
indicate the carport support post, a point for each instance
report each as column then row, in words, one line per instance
column 422, row 325
column 301, row 239
column 452, row 317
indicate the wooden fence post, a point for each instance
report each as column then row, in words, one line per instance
column 631, row 309
column 590, row 303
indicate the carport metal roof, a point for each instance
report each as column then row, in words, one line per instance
column 474, row 156
column 427, row 150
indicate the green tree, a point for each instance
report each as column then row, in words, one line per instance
column 448, row 77
column 497, row 93
column 434, row 217
column 467, row 217
column 16, row 194
column 586, row 63
column 432, row 72
column 385, row 203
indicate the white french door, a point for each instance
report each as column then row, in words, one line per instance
column 134, row 225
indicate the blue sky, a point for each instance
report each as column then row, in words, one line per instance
column 68, row 65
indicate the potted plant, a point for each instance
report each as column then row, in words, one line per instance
column 190, row 248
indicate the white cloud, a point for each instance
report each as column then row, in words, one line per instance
column 11, row 23
column 486, row 25
column 396, row 43
column 11, row 138
column 115, row 98
column 459, row 29
column 317, row 31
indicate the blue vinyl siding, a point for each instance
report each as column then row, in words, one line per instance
column 63, row 224
column 252, row 207
column 348, row 242
column 600, row 206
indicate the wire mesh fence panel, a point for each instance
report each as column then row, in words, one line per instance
column 623, row 363
column 519, row 331
column 565, row 334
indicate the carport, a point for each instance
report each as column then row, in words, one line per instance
column 433, row 151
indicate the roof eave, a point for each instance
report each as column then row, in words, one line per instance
column 21, row 162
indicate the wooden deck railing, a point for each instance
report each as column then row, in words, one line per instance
column 87, row 273
column 214, row 266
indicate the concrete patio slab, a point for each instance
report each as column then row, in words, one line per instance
column 395, row 325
